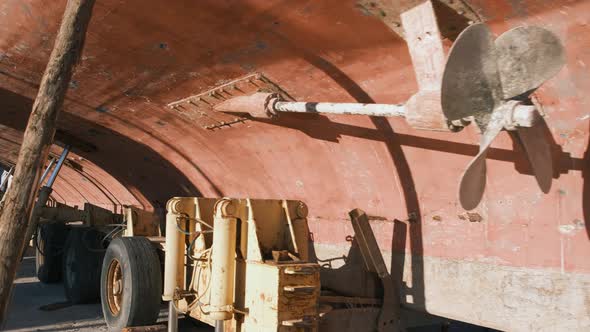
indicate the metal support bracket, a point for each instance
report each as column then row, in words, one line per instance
column 389, row 317
column 423, row 110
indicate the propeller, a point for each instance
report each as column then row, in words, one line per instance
column 489, row 81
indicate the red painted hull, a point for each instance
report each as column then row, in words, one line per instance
column 141, row 55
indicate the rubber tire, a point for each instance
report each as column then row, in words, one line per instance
column 142, row 283
column 82, row 263
column 49, row 249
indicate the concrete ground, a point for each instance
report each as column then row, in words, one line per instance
column 43, row 307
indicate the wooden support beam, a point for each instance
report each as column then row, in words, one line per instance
column 38, row 136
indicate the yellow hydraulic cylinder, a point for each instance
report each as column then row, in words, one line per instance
column 223, row 260
column 178, row 209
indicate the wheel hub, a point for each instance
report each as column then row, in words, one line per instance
column 115, row 287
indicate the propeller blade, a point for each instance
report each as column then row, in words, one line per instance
column 471, row 81
column 539, row 155
column 527, row 57
column 473, row 181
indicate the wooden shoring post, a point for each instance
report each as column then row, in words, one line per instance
column 38, row 137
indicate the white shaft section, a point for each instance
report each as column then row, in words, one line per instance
column 341, row 108
column 525, row 116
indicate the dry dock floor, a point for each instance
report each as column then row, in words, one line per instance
column 43, row 307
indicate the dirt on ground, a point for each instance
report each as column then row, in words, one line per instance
column 43, row 307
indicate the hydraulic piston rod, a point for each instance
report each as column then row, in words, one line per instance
column 47, row 171
column 223, row 263
column 44, row 193
column 180, row 209
column 60, row 163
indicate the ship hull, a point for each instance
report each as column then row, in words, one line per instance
column 517, row 262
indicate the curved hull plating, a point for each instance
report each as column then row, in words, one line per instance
column 517, row 262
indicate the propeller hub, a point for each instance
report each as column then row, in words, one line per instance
column 516, row 114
